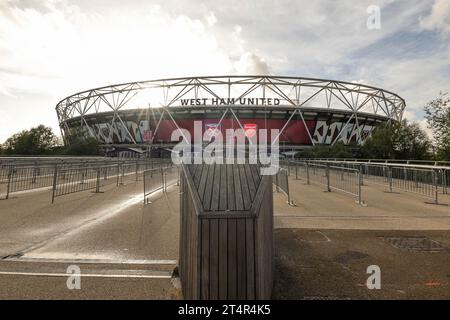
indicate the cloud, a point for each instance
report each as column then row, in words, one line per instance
column 439, row 18
column 252, row 64
column 57, row 49
column 76, row 49
column 211, row 19
column 52, row 48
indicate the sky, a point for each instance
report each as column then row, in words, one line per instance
column 50, row 49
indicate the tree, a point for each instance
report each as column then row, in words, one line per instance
column 437, row 114
column 37, row 140
column 401, row 140
column 339, row 150
column 380, row 144
column 84, row 146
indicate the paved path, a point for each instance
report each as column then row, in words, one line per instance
column 128, row 250
column 316, row 208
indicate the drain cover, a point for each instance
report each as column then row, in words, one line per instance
column 421, row 244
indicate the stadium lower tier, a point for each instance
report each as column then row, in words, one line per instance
column 295, row 132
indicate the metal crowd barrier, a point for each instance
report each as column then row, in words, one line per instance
column 67, row 181
column 386, row 161
column 337, row 178
column 160, row 179
column 281, row 182
column 71, row 175
column 421, row 181
column 153, row 181
column 428, row 181
column 28, row 178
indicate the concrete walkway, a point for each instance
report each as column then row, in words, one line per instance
column 317, row 209
column 126, row 249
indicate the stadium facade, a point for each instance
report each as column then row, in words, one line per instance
column 307, row 111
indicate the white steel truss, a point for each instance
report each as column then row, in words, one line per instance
column 297, row 94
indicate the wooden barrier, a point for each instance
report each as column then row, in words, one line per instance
column 226, row 239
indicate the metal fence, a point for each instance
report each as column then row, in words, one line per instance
column 153, row 181
column 70, row 175
column 386, row 161
column 281, row 182
column 28, row 178
column 338, row 178
column 160, row 179
column 67, row 181
column 428, row 181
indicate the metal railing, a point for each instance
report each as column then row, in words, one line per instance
column 428, row 181
column 338, row 178
column 28, row 178
column 27, row 174
column 160, row 179
column 281, row 182
column 67, row 181
column 387, row 161
column 153, row 181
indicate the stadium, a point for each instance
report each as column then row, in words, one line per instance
column 142, row 115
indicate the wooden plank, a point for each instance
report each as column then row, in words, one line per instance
column 250, row 182
column 192, row 169
column 227, row 214
column 214, row 259
column 205, row 259
column 232, row 261
column 208, row 189
column 196, row 255
column 250, row 254
column 183, row 233
column 216, row 189
column 198, row 175
column 193, row 191
column 231, row 203
column 266, row 182
column 223, row 188
column 223, row 259
column 237, row 188
column 256, row 173
column 202, row 184
column 244, row 187
column 241, row 260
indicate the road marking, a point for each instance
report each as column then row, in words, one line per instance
column 93, row 261
column 150, row 275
